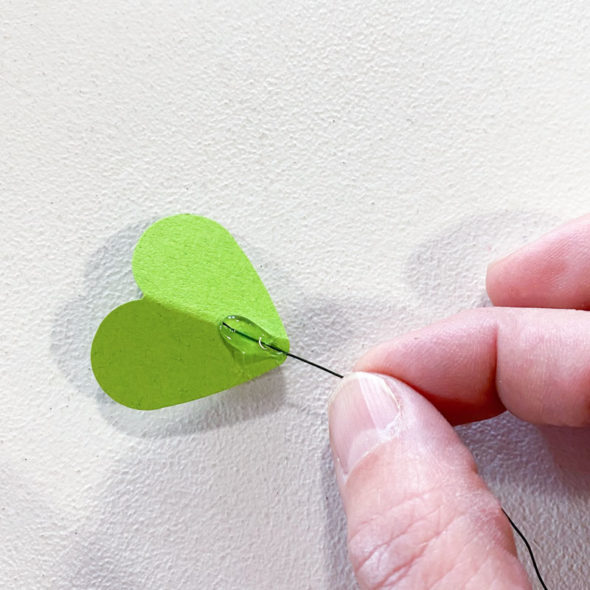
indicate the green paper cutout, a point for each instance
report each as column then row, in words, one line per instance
column 169, row 346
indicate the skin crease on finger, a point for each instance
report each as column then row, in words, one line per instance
column 436, row 527
column 429, row 539
column 419, row 515
column 472, row 366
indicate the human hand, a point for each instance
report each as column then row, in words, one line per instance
column 419, row 516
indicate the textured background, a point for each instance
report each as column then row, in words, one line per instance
column 371, row 159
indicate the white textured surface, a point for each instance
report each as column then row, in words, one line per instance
column 370, row 159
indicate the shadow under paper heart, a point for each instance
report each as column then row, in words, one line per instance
column 447, row 271
column 109, row 283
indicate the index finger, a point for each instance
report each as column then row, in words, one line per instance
column 472, row 366
column 533, row 362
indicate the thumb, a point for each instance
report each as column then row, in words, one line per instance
column 419, row 515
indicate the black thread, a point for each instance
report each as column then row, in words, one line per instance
column 299, row 358
column 529, row 548
column 275, row 348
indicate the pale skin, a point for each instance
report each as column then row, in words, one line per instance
column 418, row 514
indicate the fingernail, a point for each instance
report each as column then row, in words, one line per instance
column 363, row 413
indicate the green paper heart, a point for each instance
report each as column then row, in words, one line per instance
column 167, row 348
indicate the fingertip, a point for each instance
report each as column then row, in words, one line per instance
column 551, row 271
column 450, row 363
column 496, row 285
column 371, row 358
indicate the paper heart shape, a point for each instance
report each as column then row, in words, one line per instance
column 167, row 347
